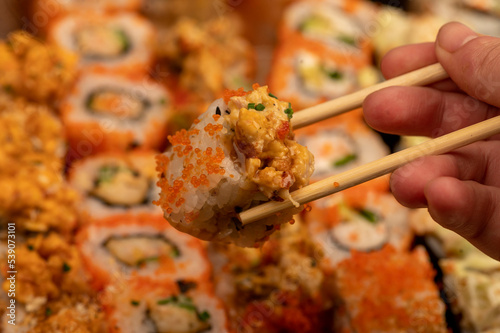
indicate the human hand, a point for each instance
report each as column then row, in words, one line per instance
column 461, row 189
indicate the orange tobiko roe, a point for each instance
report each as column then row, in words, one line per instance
column 228, row 93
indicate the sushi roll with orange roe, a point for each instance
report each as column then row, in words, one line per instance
column 174, row 306
column 119, row 247
column 237, row 154
column 388, row 291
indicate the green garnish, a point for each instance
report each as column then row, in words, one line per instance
column 289, row 113
column 8, row 88
column 260, row 107
column 345, row 160
column 181, row 301
column 251, row 106
column 204, row 316
column 369, row 215
column 107, row 173
column 334, row 75
column 175, row 252
column 66, row 268
column 124, row 40
column 273, row 96
column 134, row 303
column 347, row 39
column 146, row 260
column 30, row 247
column 171, row 299
column 48, row 311
column 187, row 306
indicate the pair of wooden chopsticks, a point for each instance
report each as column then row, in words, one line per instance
column 363, row 173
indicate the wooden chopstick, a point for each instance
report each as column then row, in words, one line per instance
column 420, row 77
column 366, row 172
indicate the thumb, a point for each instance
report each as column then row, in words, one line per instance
column 472, row 61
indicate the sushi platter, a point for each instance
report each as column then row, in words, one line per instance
column 136, row 134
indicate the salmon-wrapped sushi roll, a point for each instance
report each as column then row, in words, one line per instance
column 111, row 112
column 113, row 42
column 180, row 306
column 239, row 153
column 116, row 182
column 307, row 73
column 340, row 144
column 121, row 246
column 363, row 219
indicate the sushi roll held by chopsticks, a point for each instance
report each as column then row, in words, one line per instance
column 237, row 154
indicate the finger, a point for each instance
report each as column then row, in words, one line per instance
column 472, row 61
column 477, row 162
column 408, row 58
column 468, row 208
column 423, row 111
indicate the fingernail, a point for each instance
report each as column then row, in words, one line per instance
column 453, row 36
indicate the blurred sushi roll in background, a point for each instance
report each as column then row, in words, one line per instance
column 59, row 7
column 341, row 144
column 120, row 42
column 328, row 23
column 308, row 73
column 471, row 280
column 113, row 183
column 179, row 305
column 360, row 222
column 388, row 291
column 166, row 13
column 276, row 288
column 120, row 247
column 109, row 112
column 206, row 58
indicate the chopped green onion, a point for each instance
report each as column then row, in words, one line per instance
column 146, row 260
column 251, row 106
column 175, row 252
column 187, row 306
column 334, row 75
column 107, row 173
column 345, row 160
column 204, row 316
column 347, row 39
column 260, row 107
column 369, row 215
column 171, row 299
column 273, row 96
column 289, row 113
column 134, row 303
column 66, row 267
column 8, row 88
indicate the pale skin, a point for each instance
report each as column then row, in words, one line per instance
column 461, row 189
